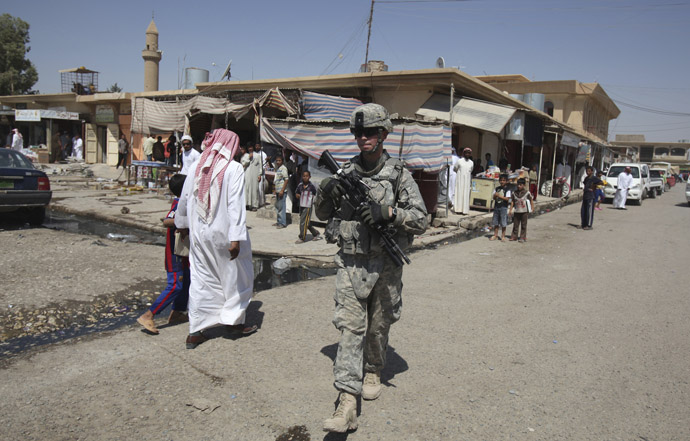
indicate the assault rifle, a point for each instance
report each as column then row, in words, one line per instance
column 357, row 196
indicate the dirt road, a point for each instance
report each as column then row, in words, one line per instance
column 579, row 335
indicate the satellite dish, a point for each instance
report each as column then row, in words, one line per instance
column 226, row 73
column 440, row 63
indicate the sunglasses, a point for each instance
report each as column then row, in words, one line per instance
column 186, row 143
column 368, row 132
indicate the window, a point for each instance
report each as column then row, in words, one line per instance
column 615, row 171
column 661, row 151
column 678, row 151
column 548, row 108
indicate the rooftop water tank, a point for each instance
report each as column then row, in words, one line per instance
column 535, row 100
column 193, row 75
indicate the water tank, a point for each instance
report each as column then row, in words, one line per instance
column 193, row 75
column 517, row 96
column 535, row 100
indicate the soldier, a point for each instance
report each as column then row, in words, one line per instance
column 368, row 283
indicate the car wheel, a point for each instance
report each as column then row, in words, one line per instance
column 652, row 193
column 659, row 191
column 37, row 216
column 639, row 201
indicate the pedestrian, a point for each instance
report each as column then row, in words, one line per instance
column 17, row 140
column 158, row 150
column 77, row 147
column 489, row 162
column 171, row 151
column 279, row 188
column 66, row 145
column 176, row 267
column 264, row 163
column 55, row 148
column 534, row 181
column 599, row 193
column 502, row 197
column 305, row 193
column 368, row 283
column 189, row 154
column 521, row 202
column 253, row 178
column 122, row 150
column 589, row 186
column 454, row 158
column 463, row 183
column 212, row 208
column 148, row 147
column 625, row 180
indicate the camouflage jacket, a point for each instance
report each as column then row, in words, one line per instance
column 353, row 236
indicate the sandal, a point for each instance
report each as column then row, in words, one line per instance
column 241, row 330
column 493, row 238
column 195, row 339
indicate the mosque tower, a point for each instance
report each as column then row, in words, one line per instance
column 152, row 56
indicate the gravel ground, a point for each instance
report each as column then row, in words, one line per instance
column 575, row 334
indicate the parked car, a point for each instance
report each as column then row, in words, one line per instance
column 640, row 185
column 656, row 183
column 687, row 192
column 667, row 172
column 24, row 190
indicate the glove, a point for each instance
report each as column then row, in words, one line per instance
column 333, row 188
column 375, row 214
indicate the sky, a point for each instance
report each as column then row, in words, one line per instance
column 637, row 50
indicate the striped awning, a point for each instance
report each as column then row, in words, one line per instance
column 425, row 147
column 328, row 107
column 468, row 112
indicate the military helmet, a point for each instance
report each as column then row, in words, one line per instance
column 370, row 115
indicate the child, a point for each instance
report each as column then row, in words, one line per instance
column 502, row 198
column 177, row 290
column 306, row 192
column 522, row 202
column 280, row 183
column 599, row 193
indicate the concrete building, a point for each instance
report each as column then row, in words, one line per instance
column 638, row 149
column 152, row 56
column 584, row 106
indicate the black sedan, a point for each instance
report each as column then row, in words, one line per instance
column 24, row 190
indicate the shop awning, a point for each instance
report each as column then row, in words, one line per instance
column 328, row 107
column 425, row 147
column 468, row 112
column 570, row 139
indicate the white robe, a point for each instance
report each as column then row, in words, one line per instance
column 252, row 181
column 262, row 184
column 17, row 142
column 220, row 289
column 78, row 149
column 188, row 159
column 623, row 184
column 463, row 184
column 453, row 176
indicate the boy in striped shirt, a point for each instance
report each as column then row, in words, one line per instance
column 306, row 192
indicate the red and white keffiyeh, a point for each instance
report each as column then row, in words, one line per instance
column 219, row 149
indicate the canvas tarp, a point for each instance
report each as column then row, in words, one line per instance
column 467, row 112
column 425, row 147
column 149, row 116
column 318, row 106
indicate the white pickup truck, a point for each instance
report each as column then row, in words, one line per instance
column 640, row 185
column 656, row 183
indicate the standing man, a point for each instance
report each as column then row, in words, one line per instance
column 17, row 140
column 262, row 159
column 489, row 162
column 158, row 151
column 148, row 147
column 454, row 158
column 463, row 183
column 189, row 155
column 280, row 183
column 253, row 177
column 622, row 187
column 589, row 186
column 368, row 283
column 122, row 150
column 78, row 147
column 66, row 145
column 212, row 208
column 55, row 147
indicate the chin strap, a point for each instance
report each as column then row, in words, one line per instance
column 379, row 141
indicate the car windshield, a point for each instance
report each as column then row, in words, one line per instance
column 11, row 159
column 618, row 169
column 654, row 173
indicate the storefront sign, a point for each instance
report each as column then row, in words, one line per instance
column 27, row 115
column 104, row 114
column 570, row 140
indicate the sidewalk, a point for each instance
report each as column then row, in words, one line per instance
column 93, row 191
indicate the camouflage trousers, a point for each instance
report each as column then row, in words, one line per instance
column 364, row 324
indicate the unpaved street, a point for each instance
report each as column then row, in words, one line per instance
column 578, row 335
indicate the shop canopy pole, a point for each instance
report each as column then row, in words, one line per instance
column 522, row 152
column 452, row 99
column 553, row 168
column 541, row 155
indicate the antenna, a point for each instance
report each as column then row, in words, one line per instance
column 226, row 72
column 440, row 63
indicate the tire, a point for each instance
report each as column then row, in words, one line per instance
column 652, row 193
column 639, row 201
column 659, row 191
column 37, row 216
column 565, row 190
column 546, row 188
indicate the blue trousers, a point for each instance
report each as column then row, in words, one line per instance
column 587, row 212
column 280, row 209
column 176, row 292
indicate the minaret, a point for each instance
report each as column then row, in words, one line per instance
column 152, row 56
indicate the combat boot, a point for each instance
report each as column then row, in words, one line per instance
column 345, row 416
column 371, row 387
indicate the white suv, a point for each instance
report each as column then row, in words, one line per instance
column 640, row 185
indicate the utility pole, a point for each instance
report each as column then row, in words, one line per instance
column 371, row 17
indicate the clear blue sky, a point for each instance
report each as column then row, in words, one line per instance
column 636, row 49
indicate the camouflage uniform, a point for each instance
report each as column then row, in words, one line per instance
column 368, row 283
